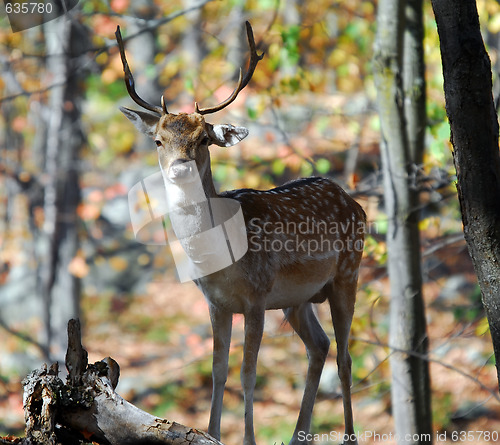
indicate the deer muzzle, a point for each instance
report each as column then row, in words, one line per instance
column 181, row 171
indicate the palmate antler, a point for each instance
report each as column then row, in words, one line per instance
column 242, row 81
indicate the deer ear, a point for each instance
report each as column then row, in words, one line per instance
column 226, row 135
column 144, row 121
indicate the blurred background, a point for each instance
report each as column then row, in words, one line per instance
column 68, row 158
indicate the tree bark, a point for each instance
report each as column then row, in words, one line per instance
column 416, row 122
column 414, row 80
column 60, row 289
column 410, row 375
column 87, row 407
column 474, row 135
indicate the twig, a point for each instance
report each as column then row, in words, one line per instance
column 393, row 349
column 25, row 337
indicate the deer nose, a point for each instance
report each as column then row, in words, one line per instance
column 181, row 170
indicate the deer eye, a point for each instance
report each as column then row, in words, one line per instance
column 205, row 140
column 158, row 143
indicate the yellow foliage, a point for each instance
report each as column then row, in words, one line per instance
column 483, row 327
column 494, row 23
column 253, row 179
column 118, row 263
column 337, row 57
column 143, row 259
column 424, row 224
column 102, row 58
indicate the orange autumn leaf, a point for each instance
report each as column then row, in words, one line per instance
column 88, row 212
column 120, row 5
column 115, row 190
column 78, row 267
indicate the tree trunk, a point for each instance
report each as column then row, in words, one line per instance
column 474, row 135
column 416, row 120
column 414, row 80
column 410, row 374
column 60, row 289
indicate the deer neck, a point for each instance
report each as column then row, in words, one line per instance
column 208, row 184
column 189, row 203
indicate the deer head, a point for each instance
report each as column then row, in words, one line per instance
column 185, row 137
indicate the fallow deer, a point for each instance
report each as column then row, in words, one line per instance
column 305, row 242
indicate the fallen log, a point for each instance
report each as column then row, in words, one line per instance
column 86, row 409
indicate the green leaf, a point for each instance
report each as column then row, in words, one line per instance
column 278, row 167
column 189, row 84
column 252, row 113
column 290, row 53
column 266, row 5
column 220, row 172
column 306, row 169
column 323, row 166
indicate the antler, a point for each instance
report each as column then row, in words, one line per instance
column 242, row 81
column 129, row 81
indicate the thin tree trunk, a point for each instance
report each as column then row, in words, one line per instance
column 60, row 289
column 410, row 378
column 57, row 41
column 414, row 80
column 474, row 135
column 416, row 119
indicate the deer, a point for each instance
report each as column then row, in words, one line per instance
column 305, row 242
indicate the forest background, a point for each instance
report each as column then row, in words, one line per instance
column 68, row 159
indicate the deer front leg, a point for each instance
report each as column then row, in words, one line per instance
column 221, row 327
column 254, row 328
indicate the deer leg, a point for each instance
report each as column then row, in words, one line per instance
column 342, row 310
column 305, row 323
column 221, row 326
column 254, row 328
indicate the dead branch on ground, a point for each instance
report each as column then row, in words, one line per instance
column 87, row 409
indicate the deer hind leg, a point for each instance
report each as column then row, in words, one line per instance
column 221, row 326
column 342, row 310
column 317, row 344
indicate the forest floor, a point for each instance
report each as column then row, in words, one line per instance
column 162, row 341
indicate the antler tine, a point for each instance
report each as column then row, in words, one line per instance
column 129, row 80
column 163, row 105
column 242, row 81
